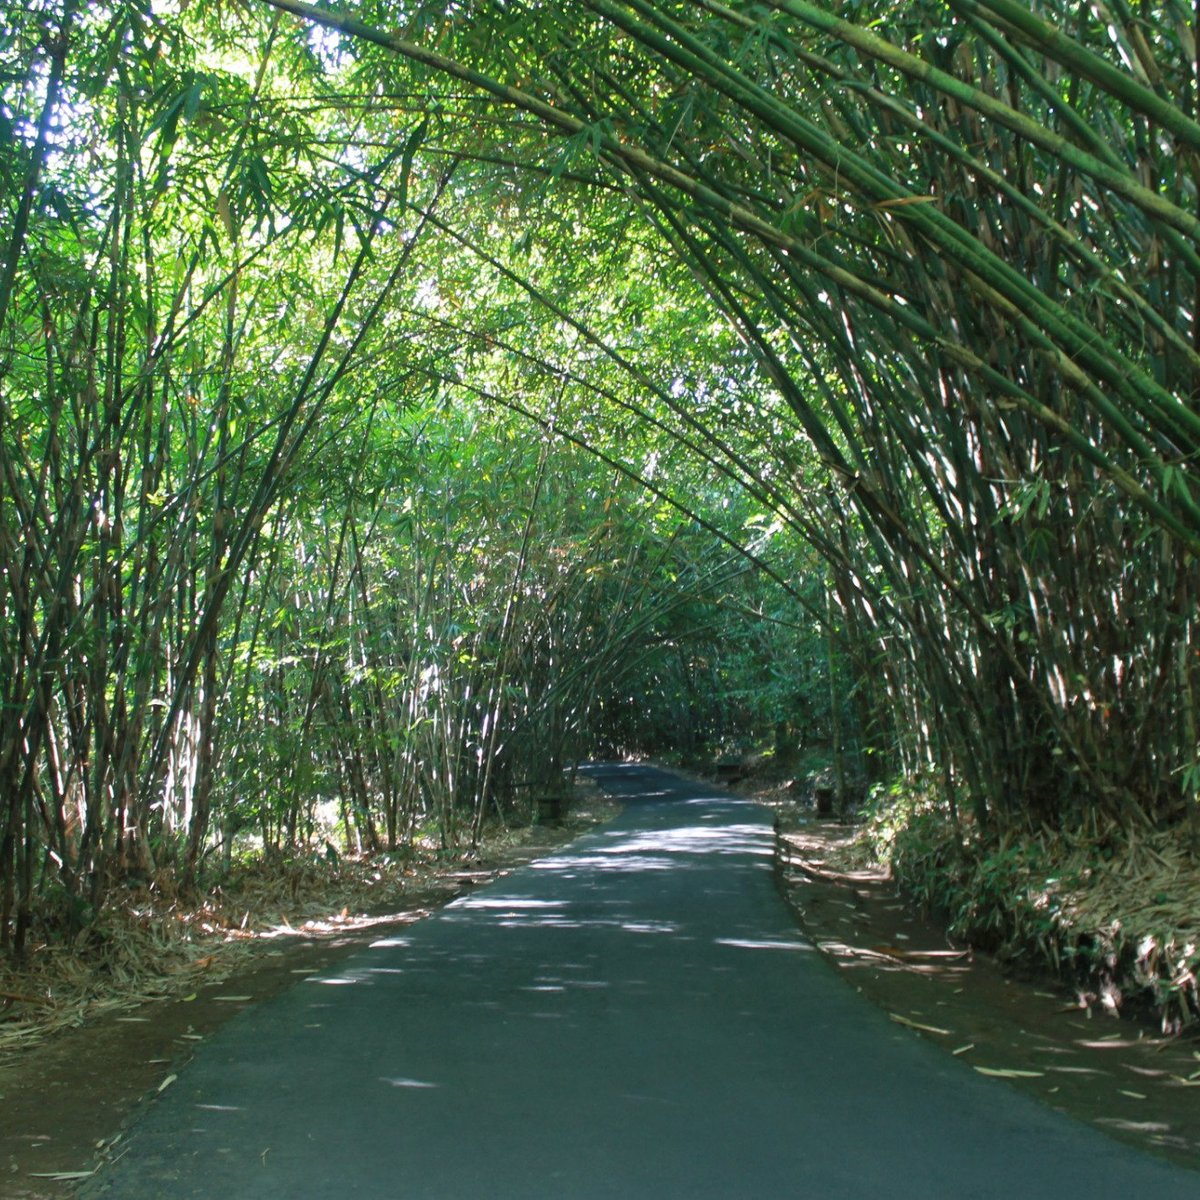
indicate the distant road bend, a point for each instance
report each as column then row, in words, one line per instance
column 635, row 1016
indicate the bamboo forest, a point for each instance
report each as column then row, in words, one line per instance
column 405, row 401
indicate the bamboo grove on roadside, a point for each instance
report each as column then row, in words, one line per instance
column 896, row 303
column 970, row 272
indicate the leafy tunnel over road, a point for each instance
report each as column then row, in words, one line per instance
column 861, row 347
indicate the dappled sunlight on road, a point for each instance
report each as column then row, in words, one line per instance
column 665, row 850
column 716, row 832
column 555, row 914
column 569, row 865
column 563, row 921
column 763, row 944
column 685, row 847
column 699, row 839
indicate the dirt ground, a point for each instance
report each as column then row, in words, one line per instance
column 1112, row 1072
column 65, row 1102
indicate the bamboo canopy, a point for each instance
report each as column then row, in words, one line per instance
column 941, row 262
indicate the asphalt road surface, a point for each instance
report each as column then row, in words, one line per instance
column 634, row 1016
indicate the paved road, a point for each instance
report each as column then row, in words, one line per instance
column 635, row 1016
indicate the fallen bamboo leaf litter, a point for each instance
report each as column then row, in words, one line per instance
column 911, row 1024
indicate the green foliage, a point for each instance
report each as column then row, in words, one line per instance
column 386, row 420
column 1109, row 915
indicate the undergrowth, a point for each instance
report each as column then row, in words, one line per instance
column 1114, row 912
column 146, row 944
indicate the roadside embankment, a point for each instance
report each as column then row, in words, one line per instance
column 1058, row 1042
